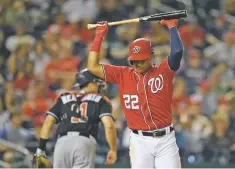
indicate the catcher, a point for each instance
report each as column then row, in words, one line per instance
column 78, row 115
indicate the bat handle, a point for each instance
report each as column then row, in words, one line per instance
column 128, row 21
column 91, row 26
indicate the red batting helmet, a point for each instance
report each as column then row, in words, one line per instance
column 140, row 49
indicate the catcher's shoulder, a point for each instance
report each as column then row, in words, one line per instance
column 107, row 100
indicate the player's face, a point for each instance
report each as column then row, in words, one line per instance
column 142, row 66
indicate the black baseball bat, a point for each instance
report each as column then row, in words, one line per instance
column 156, row 17
column 167, row 15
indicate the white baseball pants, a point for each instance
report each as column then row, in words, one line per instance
column 158, row 152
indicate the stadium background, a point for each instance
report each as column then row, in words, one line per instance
column 43, row 43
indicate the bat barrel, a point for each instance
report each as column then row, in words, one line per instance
column 167, row 15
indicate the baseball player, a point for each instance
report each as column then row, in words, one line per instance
column 145, row 91
column 78, row 115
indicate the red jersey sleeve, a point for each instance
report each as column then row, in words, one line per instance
column 164, row 67
column 112, row 73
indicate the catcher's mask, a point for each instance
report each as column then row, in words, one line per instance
column 85, row 77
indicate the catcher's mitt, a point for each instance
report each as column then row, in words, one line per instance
column 41, row 162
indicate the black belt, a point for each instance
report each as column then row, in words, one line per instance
column 157, row 133
column 74, row 133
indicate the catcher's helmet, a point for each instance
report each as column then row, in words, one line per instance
column 84, row 77
column 140, row 49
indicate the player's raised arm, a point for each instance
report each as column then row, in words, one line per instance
column 93, row 59
column 175, row 43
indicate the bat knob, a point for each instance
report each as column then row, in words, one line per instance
column 91, row 26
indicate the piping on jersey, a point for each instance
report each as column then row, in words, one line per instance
column 105, row 114
column 147, row 100
column 140, row 105
column 48, row 112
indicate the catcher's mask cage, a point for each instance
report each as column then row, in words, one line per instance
column 102, row 86
column 85, row 77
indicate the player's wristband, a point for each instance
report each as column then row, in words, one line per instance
column 42, row 143
column 95, row 47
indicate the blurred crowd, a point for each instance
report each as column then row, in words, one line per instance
column 43, row 43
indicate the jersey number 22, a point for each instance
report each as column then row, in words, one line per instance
column 131, row 101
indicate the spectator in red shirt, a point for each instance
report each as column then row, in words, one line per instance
column 24, row 77
column 68, row 62
column 192, row 35
column 180, row 101
column 35, row 106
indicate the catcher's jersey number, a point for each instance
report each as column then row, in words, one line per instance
column 82, row 111
column 131, row 101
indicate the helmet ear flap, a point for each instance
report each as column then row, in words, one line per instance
column 130, row 62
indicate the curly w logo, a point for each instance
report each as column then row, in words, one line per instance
column 136, row 49
column 156, row 84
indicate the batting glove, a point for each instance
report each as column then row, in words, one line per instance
column 170, row 23
column 102, row 29
column 40, row 152
column 40, row 160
